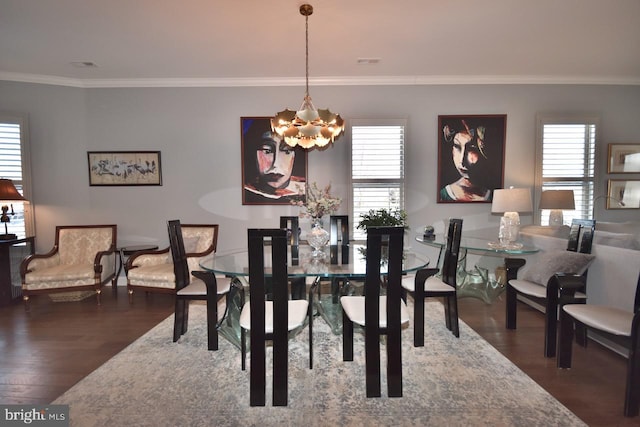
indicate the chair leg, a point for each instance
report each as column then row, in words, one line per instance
column 581, row 335
column 447, row 313
column 310, row 314
column 98, row 293
column 418, row 322
column 453, row 315
column 185, row 317
column 243, row 348
column 512, row 302
column 130, row 292
column 347, row 338
column 178, row 319
column 550, row 328
column 632, row 391
column 565, row 340
column 212, row 323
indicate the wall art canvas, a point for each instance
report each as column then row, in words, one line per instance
column 124, row 168
column 470, row 157
column 273, row 173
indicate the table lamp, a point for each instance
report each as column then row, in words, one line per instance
column 557, row 200
column 510, row 201
column 8, row 194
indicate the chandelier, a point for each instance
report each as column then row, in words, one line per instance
column 307, row 127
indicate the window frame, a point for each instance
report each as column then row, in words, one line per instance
column 373, row 181
column 22, row 120
column 586, row 119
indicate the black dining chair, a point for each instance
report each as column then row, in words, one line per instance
column 620, row 326
column 379, row 314
column 270, row 320
column 425, row 284
column 536, row 283
column 203, row 287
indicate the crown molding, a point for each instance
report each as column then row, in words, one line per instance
column 320, row 81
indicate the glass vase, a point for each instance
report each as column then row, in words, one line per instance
column 318, row 237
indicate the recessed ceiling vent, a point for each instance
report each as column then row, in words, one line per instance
column 84, row 64
column 368, row 60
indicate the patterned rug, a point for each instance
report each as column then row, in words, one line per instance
column 449, row 382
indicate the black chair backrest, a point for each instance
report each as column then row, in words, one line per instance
column 339, row 238
column 257, row 238
column 581, row 235
column 292, row 225
column 178, row 254
column 636, row 304
column 384, row 242
column 452, row 252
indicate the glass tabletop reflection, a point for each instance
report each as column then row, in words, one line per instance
column 236, row 263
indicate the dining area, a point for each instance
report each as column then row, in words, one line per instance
column 280, row 285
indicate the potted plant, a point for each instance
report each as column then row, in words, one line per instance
column 383, row 217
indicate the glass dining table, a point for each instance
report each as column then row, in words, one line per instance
column 349, row 266
column 485, row 283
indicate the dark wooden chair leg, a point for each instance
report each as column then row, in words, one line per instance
column 632, row 391
column 347, row 338
column 418, row 321
column 512, row 302
column 565, row 340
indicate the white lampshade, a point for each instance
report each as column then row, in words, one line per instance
column 511, row 200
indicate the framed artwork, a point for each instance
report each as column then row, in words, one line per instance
column 470, row 157
column 273, row 173
column 124, row 168
column 624, row 158
column 623, row 194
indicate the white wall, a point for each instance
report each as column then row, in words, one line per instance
column 198, row 132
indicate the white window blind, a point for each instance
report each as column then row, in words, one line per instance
column 568, row 158
column 12, row 161
column 377, row 168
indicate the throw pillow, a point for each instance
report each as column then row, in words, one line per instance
column 552, row 262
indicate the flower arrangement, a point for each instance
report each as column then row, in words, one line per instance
column 319, row 202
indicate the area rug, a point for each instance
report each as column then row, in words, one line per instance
column 448, row 382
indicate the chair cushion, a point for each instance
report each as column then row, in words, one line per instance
column 62, row 272
column 198, row 287
column 535, row 289
column 353, row 306
column 297, row 314
column 552, row 262
column 608, row 319
column 433, row 284
column 159, row 275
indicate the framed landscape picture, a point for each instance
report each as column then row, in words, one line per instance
column 273, row 173
column 124, row 168
column 470, row 157
column 623, row 194
column 624, row 158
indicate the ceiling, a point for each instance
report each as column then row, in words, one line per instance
column 260, row 42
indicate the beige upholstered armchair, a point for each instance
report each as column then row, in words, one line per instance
column 152, row 271
column 83, row 258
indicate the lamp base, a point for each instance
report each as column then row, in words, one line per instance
column 8, row 236
column 555, row 217
column 509, row 228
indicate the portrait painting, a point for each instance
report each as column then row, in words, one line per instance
column 470, row 157
column 273, row 173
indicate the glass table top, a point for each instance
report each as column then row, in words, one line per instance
column 237, row 263
column 479, row 244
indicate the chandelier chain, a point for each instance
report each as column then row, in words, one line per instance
column 306, row 25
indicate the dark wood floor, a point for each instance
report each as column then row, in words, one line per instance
column 46, row 351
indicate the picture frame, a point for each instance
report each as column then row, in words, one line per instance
column 273, row 173
column 471, row 151
column 624, row 158
column 623, row 194
column 124, row 168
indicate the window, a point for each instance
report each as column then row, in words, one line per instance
column 377, row 167
column 14, row 165
column 566, row 158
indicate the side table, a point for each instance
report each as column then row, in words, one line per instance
column 126, row 251
column 6, row 296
